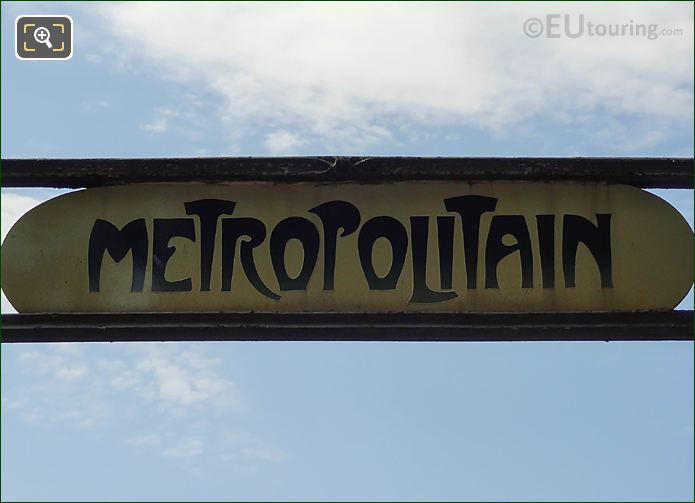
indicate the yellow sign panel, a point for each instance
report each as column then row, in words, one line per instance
column 390, row 247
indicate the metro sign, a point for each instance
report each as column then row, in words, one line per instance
column 418, row 246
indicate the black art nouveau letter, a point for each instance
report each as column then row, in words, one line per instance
column 395, row 233
column 597, row 238
column 208, row 210
column 106, row 237
column 305, row 232
column 164, row 230
column 470, row 208
column 335, row 215
column 495, row 250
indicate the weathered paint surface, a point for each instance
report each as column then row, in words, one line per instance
column 400, row 247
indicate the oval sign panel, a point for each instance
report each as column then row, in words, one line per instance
column 389, row 247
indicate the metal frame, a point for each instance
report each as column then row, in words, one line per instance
column 75, row 173
column 425, row 327
column 670, row 325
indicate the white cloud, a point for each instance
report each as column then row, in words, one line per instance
column 94, row 58
column 53, row 391
column 167, row 381
column 180, row 385
column 145, row 439
column 13, row 207
column 262, row 453
column 161, row 123
column 71, row 373
column 172, row 400
column 350, row 75
column 6, row 307
column 282, row 143
column 184, row 448
column 96, row 105
column 241, row 446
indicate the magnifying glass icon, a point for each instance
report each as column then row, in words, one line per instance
column 43, row 36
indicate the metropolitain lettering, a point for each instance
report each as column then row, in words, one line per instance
column 339, row 219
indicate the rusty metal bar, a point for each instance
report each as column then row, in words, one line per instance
column 75, row 173
column 424, row 327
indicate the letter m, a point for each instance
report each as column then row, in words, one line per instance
column 105, row 236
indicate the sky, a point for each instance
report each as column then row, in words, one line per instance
column 349, row 421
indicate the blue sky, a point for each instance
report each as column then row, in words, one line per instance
column 471, row 421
